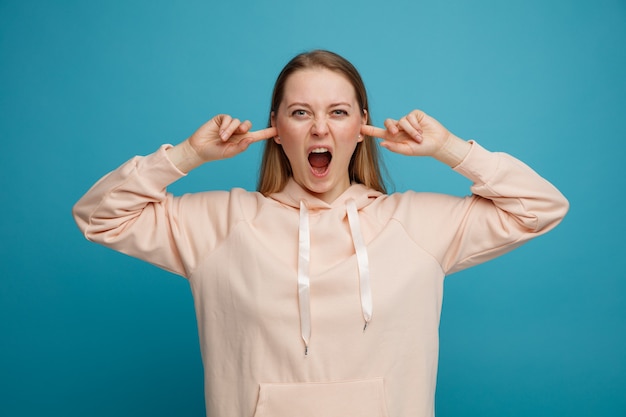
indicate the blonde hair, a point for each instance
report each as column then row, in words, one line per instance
column 365, row 164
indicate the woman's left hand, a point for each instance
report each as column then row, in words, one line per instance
column 418, row 134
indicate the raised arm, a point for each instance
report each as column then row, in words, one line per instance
column 130, row 210
column 510, row 205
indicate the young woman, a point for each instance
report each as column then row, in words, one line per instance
column 319, row 295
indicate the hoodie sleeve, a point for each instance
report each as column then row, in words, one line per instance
column 129, row 210
column 510, row 204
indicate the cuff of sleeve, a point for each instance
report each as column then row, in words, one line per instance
column 159, row 168
column 479, row 165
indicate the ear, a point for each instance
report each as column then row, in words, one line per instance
column 273, row 123
column 363, row 122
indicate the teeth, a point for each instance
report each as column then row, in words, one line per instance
column 319, row 150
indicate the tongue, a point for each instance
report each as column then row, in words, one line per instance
column 319, row 160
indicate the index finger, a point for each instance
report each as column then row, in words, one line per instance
column 262, row 134
column 374, row 131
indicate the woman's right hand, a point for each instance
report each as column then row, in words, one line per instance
column 221, row 137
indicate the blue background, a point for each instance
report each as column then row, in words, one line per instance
column 86, row 85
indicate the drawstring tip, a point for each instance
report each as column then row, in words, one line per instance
column 365, row 327
column 306, row 350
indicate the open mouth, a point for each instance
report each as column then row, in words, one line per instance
column 319, row 159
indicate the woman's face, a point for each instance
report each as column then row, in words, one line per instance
column 318, row 124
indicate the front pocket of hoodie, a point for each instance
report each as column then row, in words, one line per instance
column 362, row 398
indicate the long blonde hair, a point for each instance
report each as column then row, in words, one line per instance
column 365, row 164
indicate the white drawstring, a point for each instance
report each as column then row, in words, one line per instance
column 304, row 258
column 363, row 262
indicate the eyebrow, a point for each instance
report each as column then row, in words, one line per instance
column 302, row 104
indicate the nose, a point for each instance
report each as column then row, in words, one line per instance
column 320, row 127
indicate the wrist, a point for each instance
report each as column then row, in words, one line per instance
column 453, row 151
column 184, row 156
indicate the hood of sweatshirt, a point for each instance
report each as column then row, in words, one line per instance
column 356, row 197
column 293, row 194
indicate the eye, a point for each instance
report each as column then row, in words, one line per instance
column 339, row 113
column 300, row 113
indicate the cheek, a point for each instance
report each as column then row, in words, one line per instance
column 290, row 138
column 347, row 132
column 288, row 129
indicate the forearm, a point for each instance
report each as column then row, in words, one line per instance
column 515, row 188
column 125, row 191
column 129, row 210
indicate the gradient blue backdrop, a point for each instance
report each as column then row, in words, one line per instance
column 86, row 85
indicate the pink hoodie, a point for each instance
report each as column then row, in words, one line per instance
column 285, row 285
